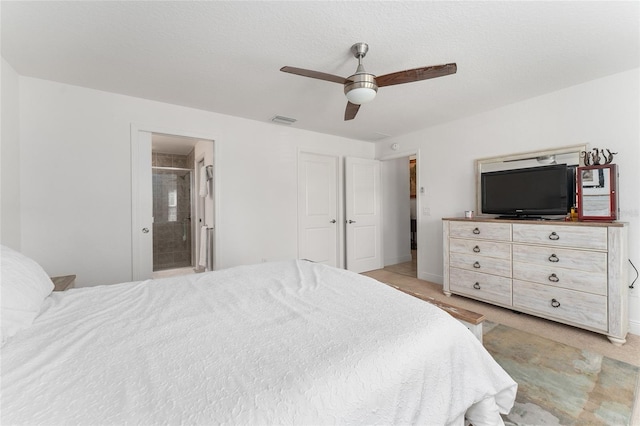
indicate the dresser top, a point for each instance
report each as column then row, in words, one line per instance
column 598, row 223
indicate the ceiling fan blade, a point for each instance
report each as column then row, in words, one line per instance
column 416, row 74
column 351, row 111
column 314, row 74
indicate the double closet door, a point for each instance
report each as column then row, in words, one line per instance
column 339, row 211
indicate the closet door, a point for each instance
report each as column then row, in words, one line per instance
column 318, row 208
column 363, row 214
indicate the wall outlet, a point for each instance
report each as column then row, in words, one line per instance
column 426, row 211
column 264, row 259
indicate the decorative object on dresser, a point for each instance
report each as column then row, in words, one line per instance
column 64, row 282
column 598, row 192
column 594, row 158
column 574, row 273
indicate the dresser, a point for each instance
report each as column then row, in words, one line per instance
column 575, row 273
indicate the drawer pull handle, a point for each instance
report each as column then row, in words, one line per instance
column 476, row 265
column 476, row 231
column 555, row 303
column 554, row 236
column 476, row 286
column 554, row 278
column 553, row 258
column 476, row 249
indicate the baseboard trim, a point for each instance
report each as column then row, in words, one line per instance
column 634, row 327
column 437, row 279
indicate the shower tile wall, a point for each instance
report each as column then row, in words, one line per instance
column 171, row 160
column 172, row 213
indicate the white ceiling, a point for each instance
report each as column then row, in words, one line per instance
column 225, row 56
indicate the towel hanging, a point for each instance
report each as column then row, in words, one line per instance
column 204, row 182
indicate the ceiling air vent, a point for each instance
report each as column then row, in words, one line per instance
column 279, row 119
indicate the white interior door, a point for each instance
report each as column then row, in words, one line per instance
column 142, row 200
column 318, row 208
column 363, row 214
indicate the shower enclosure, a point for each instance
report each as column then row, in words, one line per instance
column 172, row 229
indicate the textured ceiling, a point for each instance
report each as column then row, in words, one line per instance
column 225, row 56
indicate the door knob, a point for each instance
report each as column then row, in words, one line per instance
column 332, row 221
column 351, row 221
column 145, row 230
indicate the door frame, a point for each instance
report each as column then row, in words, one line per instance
column 419, row 193
column 136, row 187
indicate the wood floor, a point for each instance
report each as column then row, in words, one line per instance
column 406, row 268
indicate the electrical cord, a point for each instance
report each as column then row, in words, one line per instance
column 637, row 274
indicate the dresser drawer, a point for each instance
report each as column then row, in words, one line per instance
column 488, row 265
column 587, row 237
column 480, row 248
column 586, row 261
column 480, row 230
column 573, row 307
column 480, row 286
column 590, row 282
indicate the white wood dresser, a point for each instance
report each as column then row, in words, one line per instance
column 570, row 272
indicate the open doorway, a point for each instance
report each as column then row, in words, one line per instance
column 167, row 213
column 181, row 189
column 400, row 214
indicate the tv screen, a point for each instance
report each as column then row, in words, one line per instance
column 545, row 190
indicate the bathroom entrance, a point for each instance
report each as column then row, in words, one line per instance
column 179, row 207
column 173, row 203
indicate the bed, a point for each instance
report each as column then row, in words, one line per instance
column 290, row 342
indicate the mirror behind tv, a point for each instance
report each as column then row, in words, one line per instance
column 529, row 193
column 567, row 156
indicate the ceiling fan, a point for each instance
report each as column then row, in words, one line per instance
column 362, row 87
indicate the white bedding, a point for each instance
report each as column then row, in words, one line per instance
column 276, row 343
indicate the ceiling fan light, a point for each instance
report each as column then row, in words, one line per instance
column 361, row 95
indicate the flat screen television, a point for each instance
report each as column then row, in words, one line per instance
column 529, row 192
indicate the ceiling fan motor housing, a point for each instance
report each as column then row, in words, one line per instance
column 361, row 88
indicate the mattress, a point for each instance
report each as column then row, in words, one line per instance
column 276, row 343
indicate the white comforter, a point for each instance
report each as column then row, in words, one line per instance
column 277, row 343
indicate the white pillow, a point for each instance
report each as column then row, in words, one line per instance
column 24, row 286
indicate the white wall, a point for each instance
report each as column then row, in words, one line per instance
column 396, row 213
column 603, row 113
column 76, row 178
column 9, row 157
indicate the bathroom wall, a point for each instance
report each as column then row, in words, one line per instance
column 172, row 228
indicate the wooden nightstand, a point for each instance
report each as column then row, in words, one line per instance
column 64, row 282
